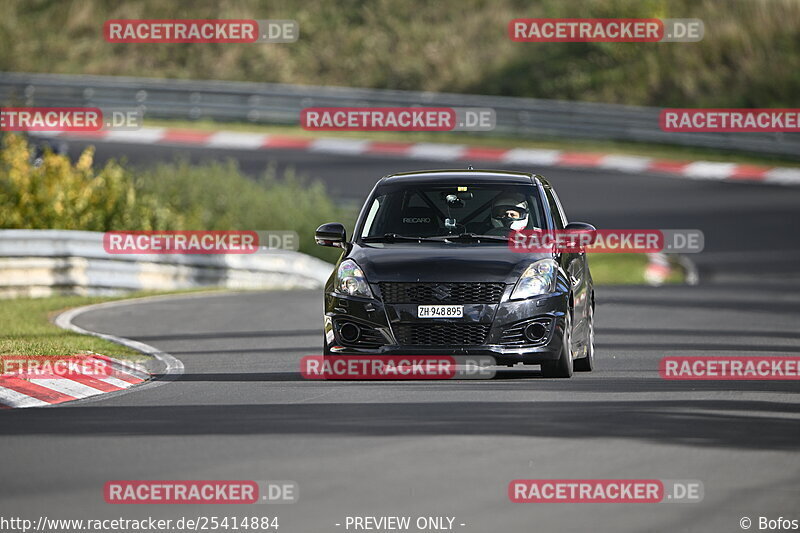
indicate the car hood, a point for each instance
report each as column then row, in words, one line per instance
column 441, row 262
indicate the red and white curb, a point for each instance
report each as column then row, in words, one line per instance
column 35, row 393
column 698, row 170
column 43, row 388
column 659, row 268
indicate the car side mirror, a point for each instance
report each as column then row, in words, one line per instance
column 580, row 226
column 331, row 234
column 587, row 232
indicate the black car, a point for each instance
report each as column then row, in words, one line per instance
column 429, row 271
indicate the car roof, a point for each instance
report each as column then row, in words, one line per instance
column 459, row 176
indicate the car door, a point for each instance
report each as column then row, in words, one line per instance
column 574, row 264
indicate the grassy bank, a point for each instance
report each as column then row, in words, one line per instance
column 27, row 330
column 750, row 54
column 626, row 269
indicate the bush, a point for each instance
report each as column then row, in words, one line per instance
column 61, row 195
column 174, row 196
column 750, row 55
column 217, row 196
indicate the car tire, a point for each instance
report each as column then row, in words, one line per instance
column 563, row 366
column 586, row 364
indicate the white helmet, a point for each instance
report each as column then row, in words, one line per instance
column 510, row 211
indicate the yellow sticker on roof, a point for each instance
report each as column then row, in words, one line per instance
column 462, row 189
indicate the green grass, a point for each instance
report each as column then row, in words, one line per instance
column 661, row 151
column 625, row 269
column 749, row 56
column 26, row 326
column 27, row 330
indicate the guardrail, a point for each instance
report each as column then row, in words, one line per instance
column 281, row 104
column 45, row 262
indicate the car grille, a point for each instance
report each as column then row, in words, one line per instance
column 441, row 334
column 514, row 335
column 441, row 293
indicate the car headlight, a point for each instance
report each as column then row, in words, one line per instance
column 350, row 280
column 539, row 278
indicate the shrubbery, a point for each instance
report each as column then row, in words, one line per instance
column 60, row 194
column 63, row 195
column 217, row 196
column 750, row 55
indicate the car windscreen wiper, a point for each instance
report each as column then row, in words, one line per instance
column 392, row 237
column 471, row 237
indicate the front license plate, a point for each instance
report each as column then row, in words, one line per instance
column 440, row 311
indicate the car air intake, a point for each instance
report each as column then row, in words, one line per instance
column 359, row 335
column 441, row 293
column 531, row 332
column 535, row 331
column 441, row 334
column 349, row 332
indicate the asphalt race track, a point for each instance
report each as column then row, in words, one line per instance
column 450, row 448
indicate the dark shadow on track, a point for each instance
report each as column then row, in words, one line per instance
column 786, row 334
column 596, row 382
column 744, row 306
column 716, row 423
column 305, row 350
column 697, row 346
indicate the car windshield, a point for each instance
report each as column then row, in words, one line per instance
column 433, row 212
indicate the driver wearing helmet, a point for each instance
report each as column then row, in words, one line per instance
column 509, row 213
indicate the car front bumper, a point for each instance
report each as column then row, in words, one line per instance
column 385, row 329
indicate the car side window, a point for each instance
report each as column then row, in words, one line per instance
column 555, row 209
column 373, row 210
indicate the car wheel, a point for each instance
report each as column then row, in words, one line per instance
column 563, row 366
column 586, row 364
